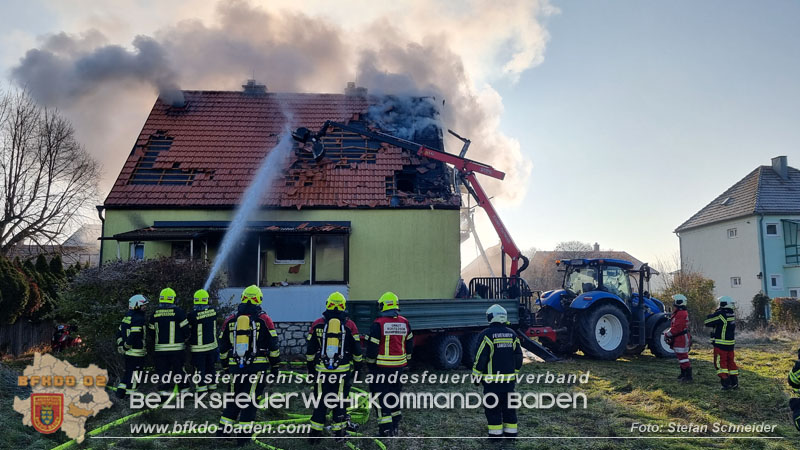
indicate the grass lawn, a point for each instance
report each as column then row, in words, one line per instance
column 640, row 389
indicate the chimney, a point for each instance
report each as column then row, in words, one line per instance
column 781, row 167
column 596, row 247
column 254, row 89
column 353, row 91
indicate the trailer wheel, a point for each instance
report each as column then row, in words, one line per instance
column 447, row 352
column 469, row 345
column 604, row 332
column 657, row 344
column 633, row 350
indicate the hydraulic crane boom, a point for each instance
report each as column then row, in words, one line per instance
column 466, row 168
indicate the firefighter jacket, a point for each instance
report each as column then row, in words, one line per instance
column 348, row 349
column 202, row 329
column 390, row 342
column 131, row 334
column 499, row 356
column 678, row 332
column 169, row 327
column 794, row 377
column 724, row 323
column 266, row 347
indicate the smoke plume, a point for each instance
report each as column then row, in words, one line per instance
column 106, row 89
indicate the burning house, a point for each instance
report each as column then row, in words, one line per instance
column 366, row 218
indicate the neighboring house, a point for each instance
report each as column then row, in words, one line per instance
column 83, row 246
column 367, row 219
column 746, row 240
column 477, row 268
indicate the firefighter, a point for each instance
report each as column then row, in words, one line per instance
column 723, row 336
column 333, row 347
column 678, row 336
column 203, row 340
column 794, row 382
column 131, row 342
column 249, row 348
column 169, row 327
column 498, row 360
column 390, row 344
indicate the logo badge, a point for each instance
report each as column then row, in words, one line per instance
column 47, row 412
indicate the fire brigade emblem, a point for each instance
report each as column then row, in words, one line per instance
column 48, row 412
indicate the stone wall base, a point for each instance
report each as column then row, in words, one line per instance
column 292, row 337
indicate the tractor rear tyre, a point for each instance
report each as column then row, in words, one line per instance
column 657, row 344
column 603, row 332
column 469, row 345
column 447, row 352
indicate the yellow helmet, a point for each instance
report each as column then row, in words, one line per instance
column 389, row 301
column 167, row 295
column 252, row 294
column 336, row 301
column 201, row 297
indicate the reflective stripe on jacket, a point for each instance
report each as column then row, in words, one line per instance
column 131, row 334
column 169, row 327
column 724, row 323
column 390, row 342
column 202, row 329
column 499, row 356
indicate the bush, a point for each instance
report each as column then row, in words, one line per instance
column 14, row 292
column 97, row 299
column 700, row 292
column 758, row 318
column 786, row 312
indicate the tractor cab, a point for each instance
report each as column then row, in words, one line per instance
column 608, row 275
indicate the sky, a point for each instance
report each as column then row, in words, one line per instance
column 615, row 120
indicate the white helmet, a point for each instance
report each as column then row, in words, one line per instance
column 496, row 313
column 138, row 301
column 726, row 302
column 679, row 300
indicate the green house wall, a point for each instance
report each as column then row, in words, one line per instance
column 412, row 252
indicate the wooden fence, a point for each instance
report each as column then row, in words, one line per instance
column 21, row 336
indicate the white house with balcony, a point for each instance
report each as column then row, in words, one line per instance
column 746, row 239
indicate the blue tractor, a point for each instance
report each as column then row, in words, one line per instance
column 603, row 309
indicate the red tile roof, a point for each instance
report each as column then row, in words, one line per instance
column 220, row 138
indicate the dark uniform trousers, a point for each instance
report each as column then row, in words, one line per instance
column 127, row 385
column 203, row 363
column 500, row 418
column 337, row 383
column 388, row 417
column 254, row 388
column 169, row 362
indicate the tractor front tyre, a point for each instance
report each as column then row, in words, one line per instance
column 447, row 352
column 658, row 344
column 603, row 332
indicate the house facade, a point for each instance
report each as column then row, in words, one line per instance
column 365, row 219
column 746, row 239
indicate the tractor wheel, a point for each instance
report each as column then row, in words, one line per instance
column 447, row 352
column 634, row 350
column 469, row 345
column 657, row 343
column 604, row 332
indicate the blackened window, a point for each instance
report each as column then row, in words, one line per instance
column 290, row 250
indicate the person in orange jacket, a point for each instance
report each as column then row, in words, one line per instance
column 678, row 336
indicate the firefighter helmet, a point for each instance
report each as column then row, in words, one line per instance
column 167, row 295
column 336, row 301
column 252, row 294
column 201, row 297
column 726, row 302
column 679, row 300
column 496, row 313
column 389, row 301
column 138, row 301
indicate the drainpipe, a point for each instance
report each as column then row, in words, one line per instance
column 767, row 312
column 258, row 262
column 100, row 209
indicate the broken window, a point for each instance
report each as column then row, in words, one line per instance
column 330, row 259
column 181, row 250
column 290, row 250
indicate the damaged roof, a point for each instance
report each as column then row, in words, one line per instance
column 205, row 153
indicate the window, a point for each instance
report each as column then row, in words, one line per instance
column 137, row 251
column 775, row 283
column 181, row 250
column 793, row 292
column 290, row 250
column 771, row 229
column 732, row 233
column 736, row 281
column 616, row 281
column 330, row 259
column 791, row 232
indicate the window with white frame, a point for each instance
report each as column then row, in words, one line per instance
column 736, row 281
column 732, row 233
column 137, row 251
column 793, row 292
column 775, row 283
column 771, row 229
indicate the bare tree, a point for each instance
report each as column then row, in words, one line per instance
column 569, row 247
column 48, row 180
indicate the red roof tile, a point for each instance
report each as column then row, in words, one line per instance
column 221, row 137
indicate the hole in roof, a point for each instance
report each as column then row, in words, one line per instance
column 406, row 182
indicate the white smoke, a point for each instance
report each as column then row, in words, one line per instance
column 441, row 49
